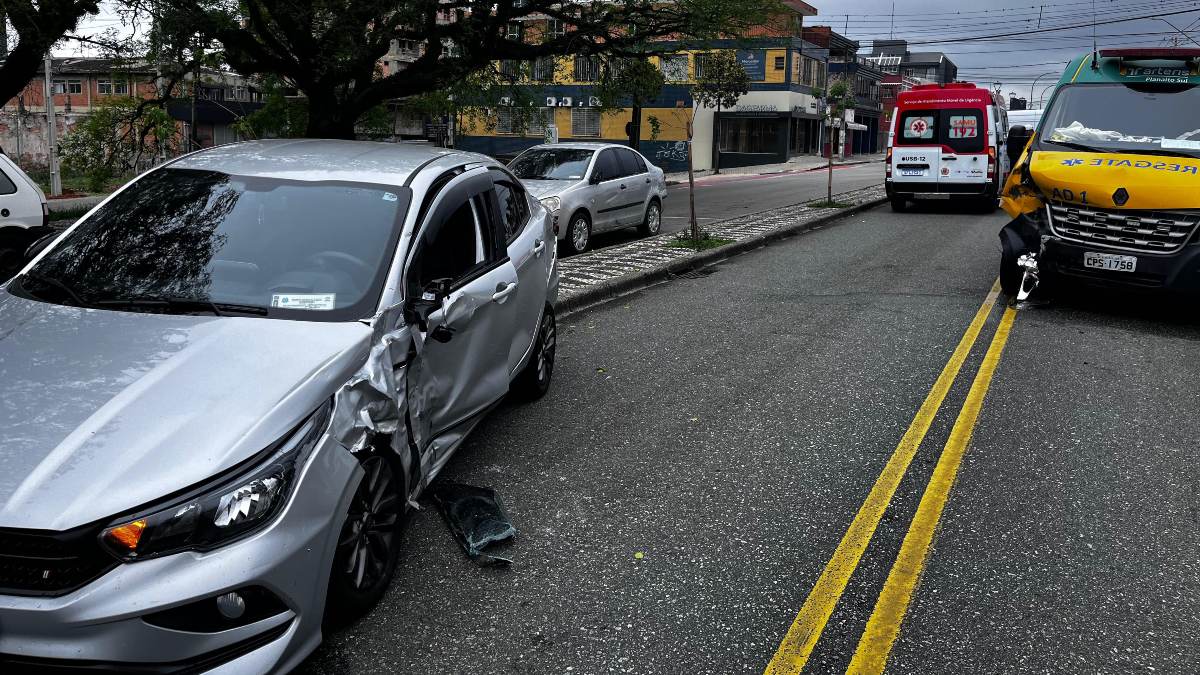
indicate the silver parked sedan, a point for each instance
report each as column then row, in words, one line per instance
column 593, row 187
column 224, row 386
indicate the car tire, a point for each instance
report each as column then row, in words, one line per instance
column 579, row 233
column 368, row 545
column 534, row 380
column 12, row 251
column 899, row 204
column 1010, row 272
column 652, row 223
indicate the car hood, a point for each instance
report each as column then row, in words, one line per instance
column 104, row 411
column 540, row 189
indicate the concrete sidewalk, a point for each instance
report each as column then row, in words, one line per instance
column 795, row 165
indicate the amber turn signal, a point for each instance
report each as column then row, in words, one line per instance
column 127, row 535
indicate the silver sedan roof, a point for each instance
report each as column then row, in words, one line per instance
column 319, row 160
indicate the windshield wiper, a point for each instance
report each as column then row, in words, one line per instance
column 55, row 283
column 182, row 305
column 1076, row 146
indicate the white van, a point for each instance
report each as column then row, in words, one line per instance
column 947, row 142
column 24, row 216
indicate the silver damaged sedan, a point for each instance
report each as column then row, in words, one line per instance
column 225, row 385
column 593, row 187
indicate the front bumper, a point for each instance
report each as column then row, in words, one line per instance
column 1176, row 272
column 101, row 626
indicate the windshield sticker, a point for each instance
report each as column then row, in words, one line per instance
column 1177, row 144
column 919, row 127
column 390, row 197
column 1173, row 167
column 964, row 126
column 305, row 301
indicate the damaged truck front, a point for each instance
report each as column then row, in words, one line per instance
column 1106, row 191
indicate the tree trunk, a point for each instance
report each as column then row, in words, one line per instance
column 833, row 135
column 328, row 118
column 695, row 226
column 635, row 129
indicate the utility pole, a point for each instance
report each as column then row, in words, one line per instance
column 48, row 90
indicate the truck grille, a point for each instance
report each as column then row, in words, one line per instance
column 1139, row 231
column 39, row 562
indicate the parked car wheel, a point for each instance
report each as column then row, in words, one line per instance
column 652, row 223
column 12, row 252
column 369, row 543
column 534, row 380
column 579, row 233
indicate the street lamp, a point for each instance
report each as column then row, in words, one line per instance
column 1035, row 81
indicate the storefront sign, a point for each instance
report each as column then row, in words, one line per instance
column 755, row 63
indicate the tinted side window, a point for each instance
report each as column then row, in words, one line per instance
column 6, row 185
column 641, row 163
column 917, row 127
column 514, row 209
column 455, row 248
column 629, row 165
column 962, row 129
column 607, row 167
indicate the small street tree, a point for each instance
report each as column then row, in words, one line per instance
column 720, row 81
column 837, row 100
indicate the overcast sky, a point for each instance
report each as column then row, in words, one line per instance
column 1014, row 60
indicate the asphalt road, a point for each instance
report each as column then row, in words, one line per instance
column 730, row 195
column 707, row 443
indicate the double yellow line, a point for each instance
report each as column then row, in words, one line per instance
column 884, row 625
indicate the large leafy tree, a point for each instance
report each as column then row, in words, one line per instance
column 328, row 49
column 38, row 26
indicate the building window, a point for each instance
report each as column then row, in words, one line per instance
column 120, row 87
column 68, row 86
column 104, row 87
column 555, row 28
column 510, row 69
column 538, row 121
column 675, row 68
column 513, row 31
column 543, row 69
column 702, row 64
column 504, row 121
column 587, row 69
column 585, row 122
column 780, row 62
column 751, row 135
column 510, row 120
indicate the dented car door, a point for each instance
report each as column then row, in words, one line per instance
column 462, row 276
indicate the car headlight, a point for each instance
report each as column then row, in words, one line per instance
column 215, row 516
column 552, row 204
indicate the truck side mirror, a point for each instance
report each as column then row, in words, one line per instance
column 1018, row 138
column 418, row 309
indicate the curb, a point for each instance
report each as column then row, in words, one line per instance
column 611, row 289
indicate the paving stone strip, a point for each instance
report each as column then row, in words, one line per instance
column 580, row 273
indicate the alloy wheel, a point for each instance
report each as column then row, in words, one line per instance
column 653, row 218
column 370, row 531
column 579, row 234
column 546, row 343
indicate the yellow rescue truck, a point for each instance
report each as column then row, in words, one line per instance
column 1106, row 190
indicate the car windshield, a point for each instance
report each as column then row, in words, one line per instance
column 1122, row 118
column 552, row 164
column 188, row 241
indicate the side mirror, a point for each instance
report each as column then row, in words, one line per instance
column 418, row 309
column 595, row 178
column 1018, row 138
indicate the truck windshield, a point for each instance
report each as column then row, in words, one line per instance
column 1120, row 118
column 186, row 241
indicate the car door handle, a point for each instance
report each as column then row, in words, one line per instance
column 647, row 180
column 538, row 247
column 622, row 186
column 503, row 290
column 949, row 157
